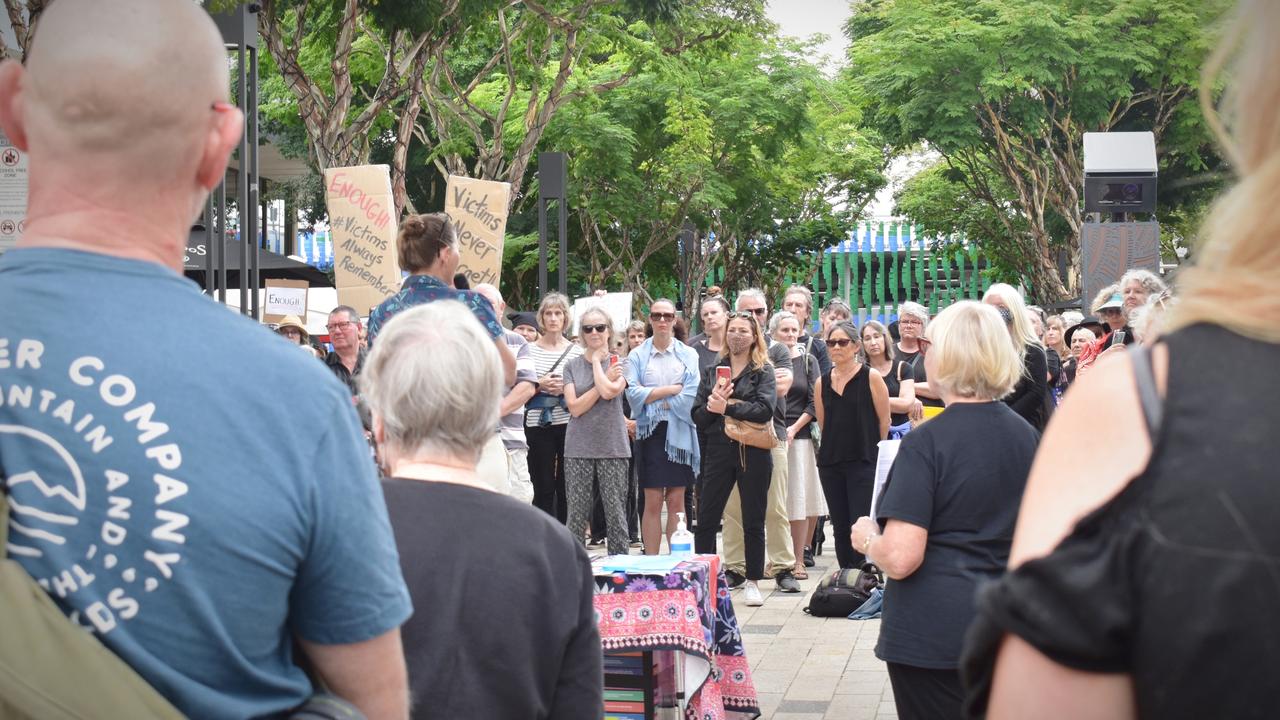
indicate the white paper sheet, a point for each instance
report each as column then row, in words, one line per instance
column 884, row 462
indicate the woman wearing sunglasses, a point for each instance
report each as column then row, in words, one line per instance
column 853, row 412
column 741, row 386
column 596, row 448
column 662, row 380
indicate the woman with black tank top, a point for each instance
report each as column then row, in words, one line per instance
column 853, row 413
column 1179, row 506
column 877, row 351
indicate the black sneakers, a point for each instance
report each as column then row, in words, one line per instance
column 734, row 579
column 786, row 582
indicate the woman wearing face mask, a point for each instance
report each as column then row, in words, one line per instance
column 748, row 395
column 805, row 501
column 877, row 351
column 595, row 446
column 853, row 411
column 546, row 416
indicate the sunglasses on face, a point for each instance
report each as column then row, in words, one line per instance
column 594, row 328
column 841, row 342
column 755, row 311
column 662, row 317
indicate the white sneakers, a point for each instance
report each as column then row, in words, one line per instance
column 751, row 594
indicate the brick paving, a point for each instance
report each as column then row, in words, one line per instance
column 808, row 668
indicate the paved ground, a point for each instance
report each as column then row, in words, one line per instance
column 808, row 668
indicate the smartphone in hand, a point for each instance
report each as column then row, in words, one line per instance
column 723, row 376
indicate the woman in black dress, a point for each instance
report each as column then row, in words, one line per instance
column 853, row 413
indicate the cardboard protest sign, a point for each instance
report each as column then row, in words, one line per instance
column 478, row 209
column 285, row 297
column 617, row 305
column 363, row 225
column 13, row 193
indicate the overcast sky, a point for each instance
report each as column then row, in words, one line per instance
column 803, row 18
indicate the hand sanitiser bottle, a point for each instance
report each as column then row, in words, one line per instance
column 681, row 540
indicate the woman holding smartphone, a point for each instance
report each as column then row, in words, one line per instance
column 740, row 386
column 595, row 446
column 546, row 415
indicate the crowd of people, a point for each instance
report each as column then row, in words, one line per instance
column 202, row 521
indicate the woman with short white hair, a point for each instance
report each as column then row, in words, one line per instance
column 433, row 382
column 1137, row 286
column 1030, row 398
column 945, row 520
column 913, row 318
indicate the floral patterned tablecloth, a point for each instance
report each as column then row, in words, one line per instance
column 689, row 610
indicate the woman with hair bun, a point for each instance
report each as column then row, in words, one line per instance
column 427, row 249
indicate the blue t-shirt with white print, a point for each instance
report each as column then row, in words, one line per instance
column 185, row 484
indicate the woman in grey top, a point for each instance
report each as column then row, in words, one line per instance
column 596, row 447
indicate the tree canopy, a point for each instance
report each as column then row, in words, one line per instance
column 1005, row 89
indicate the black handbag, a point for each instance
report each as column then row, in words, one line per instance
column 844, row 591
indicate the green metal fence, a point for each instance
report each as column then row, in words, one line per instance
column 881, row 265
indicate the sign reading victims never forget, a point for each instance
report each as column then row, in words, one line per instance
column 478, row 210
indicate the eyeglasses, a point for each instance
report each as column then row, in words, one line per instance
column 840, row 342
column 594, row 329
column 1110, row 311
column 662, row 317
column 335, row 327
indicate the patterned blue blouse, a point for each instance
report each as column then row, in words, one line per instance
column 423, row 289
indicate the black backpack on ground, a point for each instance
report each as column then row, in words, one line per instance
column 844, row 591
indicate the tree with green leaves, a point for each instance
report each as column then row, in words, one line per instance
column 1005, row 89
column 476, row 83
column 744, row 140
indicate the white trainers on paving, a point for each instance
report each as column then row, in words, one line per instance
column 751, row 594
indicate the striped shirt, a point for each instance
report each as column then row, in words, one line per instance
column 543, row 360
